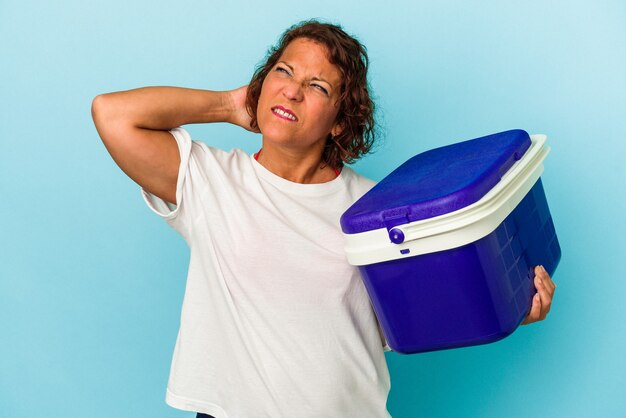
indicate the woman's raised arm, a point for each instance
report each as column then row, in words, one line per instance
column 134, row 128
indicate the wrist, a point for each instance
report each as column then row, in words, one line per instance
column 228, row 106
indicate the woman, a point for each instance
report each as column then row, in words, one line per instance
column 275, row 323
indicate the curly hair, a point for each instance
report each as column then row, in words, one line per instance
column 356, row 108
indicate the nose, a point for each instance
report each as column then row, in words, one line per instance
column 293, row 91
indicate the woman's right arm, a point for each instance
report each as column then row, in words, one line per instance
column 134, row 128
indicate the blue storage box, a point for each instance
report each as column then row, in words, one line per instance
column 446, row 243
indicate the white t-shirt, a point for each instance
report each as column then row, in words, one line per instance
column 275, row 322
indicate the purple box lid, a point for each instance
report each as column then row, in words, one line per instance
column 436, row 182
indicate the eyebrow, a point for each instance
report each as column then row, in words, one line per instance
column 313, row 78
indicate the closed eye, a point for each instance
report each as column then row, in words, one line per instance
column 322, row 89
column 281, row 69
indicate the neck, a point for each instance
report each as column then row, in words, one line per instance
column 298, row 166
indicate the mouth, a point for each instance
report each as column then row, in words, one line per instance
column 284, row 113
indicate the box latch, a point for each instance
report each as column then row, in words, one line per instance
column 393, row 218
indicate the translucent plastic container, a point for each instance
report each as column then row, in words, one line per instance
column 447, row 242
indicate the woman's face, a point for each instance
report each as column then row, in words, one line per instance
column 298, row 104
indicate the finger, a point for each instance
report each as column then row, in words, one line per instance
column 546, row 278
column 542, row 274
column 535, row 311
column 545, row 293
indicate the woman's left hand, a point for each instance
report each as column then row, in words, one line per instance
column 543, row 298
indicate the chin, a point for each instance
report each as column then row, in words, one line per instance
column 278, row 136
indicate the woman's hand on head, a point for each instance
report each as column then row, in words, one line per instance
column 543, row 298
column 238, row 113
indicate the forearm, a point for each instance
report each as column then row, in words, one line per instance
column 164, row 108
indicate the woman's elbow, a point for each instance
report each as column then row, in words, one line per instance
column 99, row 106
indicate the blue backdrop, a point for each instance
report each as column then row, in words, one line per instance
column 91, row 281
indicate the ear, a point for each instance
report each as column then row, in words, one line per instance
column 337, row 129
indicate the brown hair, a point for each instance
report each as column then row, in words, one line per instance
column 356, row 108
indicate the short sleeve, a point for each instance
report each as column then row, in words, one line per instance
column 166, row 210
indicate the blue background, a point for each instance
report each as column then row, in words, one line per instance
column 91, row 281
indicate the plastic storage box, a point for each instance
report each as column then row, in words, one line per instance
column 447, row 242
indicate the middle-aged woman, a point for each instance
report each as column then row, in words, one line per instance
column 275, row 322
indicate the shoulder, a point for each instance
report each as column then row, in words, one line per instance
column 356, row 183
column 209, row 157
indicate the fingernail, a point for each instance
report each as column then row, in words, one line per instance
column 543, row 269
